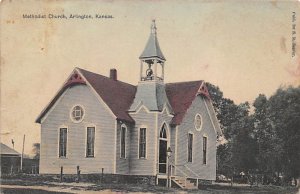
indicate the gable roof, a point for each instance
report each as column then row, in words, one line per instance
column 181, row 96
column 119, row 96
column 116, row 94
column 5, row 150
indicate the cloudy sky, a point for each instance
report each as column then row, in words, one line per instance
column 245, row 48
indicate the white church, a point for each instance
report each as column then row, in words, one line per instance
column 166, row 131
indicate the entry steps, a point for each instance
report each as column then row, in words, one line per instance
column 183, row 182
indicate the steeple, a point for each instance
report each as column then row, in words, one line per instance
column 151, row 88
column 152, row 49
column 151, row 56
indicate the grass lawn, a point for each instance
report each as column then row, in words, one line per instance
column 28, row 191
column 133, row 188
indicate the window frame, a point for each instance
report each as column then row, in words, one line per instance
column 195, row 119
column 163, row 130
column 145, row 143
column 123, row 126
column 59, row 142
column 86, row 142
column 204, row 151
column 190, row 148
column 71, row 113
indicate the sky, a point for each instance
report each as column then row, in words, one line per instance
column 244, row 47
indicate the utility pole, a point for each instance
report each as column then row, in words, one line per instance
column 13, row 143
column 22, row 153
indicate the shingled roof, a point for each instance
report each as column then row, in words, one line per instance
column 116, row 94
column 152, row 48
column 119, row 96
column 5, row 150
column 181, row 96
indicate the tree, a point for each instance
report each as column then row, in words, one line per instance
column 284, row 113
column 238, row 154
column 269, row 144
column 36, row 150
column 225, row 109
column 268, row 140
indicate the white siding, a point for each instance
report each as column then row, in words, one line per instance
column 143, row 166
column 96, row 114
column 164, row 117
column 123, row 163
column 208, row 171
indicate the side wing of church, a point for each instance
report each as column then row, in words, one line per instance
column 152, row 129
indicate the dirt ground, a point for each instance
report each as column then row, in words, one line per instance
column 29, row 187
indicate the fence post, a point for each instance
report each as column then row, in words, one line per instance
column 78, row 174
column 102, row 175
column 61, row 173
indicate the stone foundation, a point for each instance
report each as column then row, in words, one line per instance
column 112, row 178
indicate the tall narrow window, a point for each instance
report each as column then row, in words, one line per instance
column 90, row 141
column 123, row 142
column 62, row 142
column 142, row 143
column 204, row 149
column 190, row 147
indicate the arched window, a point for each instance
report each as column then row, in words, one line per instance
column 163, row 132
column 123, row 141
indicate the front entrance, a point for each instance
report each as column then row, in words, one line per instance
column 163, row 156
column 163, row 146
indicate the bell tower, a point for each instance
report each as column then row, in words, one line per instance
column 151, row 89
column 151, row 58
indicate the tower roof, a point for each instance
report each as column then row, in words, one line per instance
column 152, row 48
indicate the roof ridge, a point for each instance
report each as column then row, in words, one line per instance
column 185, row 82
column 122, row 82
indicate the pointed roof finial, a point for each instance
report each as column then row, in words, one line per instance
column 153, row 27
column 152, row 49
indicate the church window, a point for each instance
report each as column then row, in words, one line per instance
column 204, row 149
column 142, row 143
column 198, row 122
column 62, row 142
column 163, row 132
column 123, row 141
column 77, row 113
column 90, row 141
column 190, row 147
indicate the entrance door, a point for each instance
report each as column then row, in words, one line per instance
column 163, row 145
column 162, row 156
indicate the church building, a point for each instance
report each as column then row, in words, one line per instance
column 167, row 131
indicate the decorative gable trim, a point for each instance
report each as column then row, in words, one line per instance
column 42, row 119
column 54, row 100
column 74, row 78
column 97, row 95
column 210, row 117
column 219, row 131
column 203, row 90
column 139, row 108
column 165, row 109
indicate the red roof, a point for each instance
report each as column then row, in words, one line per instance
column 181, row 96
column 116, row 94
column 119, row 95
